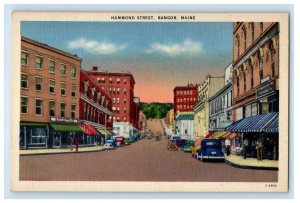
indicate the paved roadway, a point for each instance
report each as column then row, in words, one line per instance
column 145, row 160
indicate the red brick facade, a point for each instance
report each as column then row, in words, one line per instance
column 184, row 98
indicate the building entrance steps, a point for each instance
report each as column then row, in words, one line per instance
column 251, row 163
column 60, row 150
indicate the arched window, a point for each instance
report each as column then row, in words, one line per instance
column 238, row 45
column 245, row 37
column 252, row 32
column 251, row 73
column 244, row 80
column 272, row 59
column 261, row 27
column 261, row 60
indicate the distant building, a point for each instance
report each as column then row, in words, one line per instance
column 201, row 110
column 49, row 113
column 185, row 124
column 184, row 98
column 170, row 121
column 95, row 110
column 120, row 86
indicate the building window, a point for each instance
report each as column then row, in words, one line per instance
column 252, row 32
column 24, row 104
column 63, row 89
column 252, row 80
column 73, row 72
column 38, row 83
column 124, row 101
column 38, row 62
column 86, row 87
column 118, row 80
column 272, row 59
column 245, row 37
column 125, row 81
column 110, row 80
column 118, row 90
column 261, row 26
column 73, row 110
column 124, row 91
column 124, row 111
column 62, row 110
column 38, row 106
column 63, row 68
column 244, row 81
column 51, row 108
column 24, row 81
column 73, row 91
column 261, row 71
column 238, row 45
column 52, row 86
column 52, row 66
column 102, row 80
column 118, row 100
column 93, row 93
column 238, row 85
column 24, row 58
column 118, row 119
column 124, row 118
column 84, row 111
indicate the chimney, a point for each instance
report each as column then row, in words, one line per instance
column 95, row 68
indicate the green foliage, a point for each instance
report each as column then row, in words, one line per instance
column 155, row 110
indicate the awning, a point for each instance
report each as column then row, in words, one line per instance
column 272, row 126
column 252, row 123
column 33, row 124
column 103, row 131
column 88, row 129
column 209, row 135
column 66, row 128
column 229, row 135
column 218, row 135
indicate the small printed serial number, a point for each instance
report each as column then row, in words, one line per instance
column 271, row 185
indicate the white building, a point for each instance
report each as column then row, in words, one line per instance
column 184, row 125
column 123, row 129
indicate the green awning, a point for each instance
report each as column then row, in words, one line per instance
column 66, row 128
column 33, row 124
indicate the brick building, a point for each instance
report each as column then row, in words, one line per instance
column 256, row 84
column 184, row 98
column 120, row 86
column 49, row 95
column 95, row 110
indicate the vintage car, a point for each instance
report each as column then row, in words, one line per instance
column 110, row 144
column 180, row 143
column 126, row 141
column 172, row 145
column 188, row 145
column 120, row 140
column 210, row 149
column 131, row 139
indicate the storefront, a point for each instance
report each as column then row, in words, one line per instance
column 250, row 129
column 90, row 134
column 63, row 135
column 34, row 135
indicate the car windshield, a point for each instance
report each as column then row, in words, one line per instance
column 212, row 144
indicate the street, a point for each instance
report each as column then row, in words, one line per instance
column 145, row 160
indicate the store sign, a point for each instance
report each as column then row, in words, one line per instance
column 64, row 120
column 265, row 88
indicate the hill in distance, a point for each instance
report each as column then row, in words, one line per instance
column 155, row 110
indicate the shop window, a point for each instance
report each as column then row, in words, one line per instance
column 24, row 81
column 73, row 72
column 38, row 136
column 51, row 108
column 63, row 89
column 38, row 83
column 63, row 68
column 62, row 110
column 52, row 66
column 73, row 110
column 38, row 62
column 24, row 105
column 73, row 91
column 52, row 86
column 24, row 58
column 38, row 107
column 264, row 107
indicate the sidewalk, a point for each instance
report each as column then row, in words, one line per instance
column 60, row 150
column 251, row 163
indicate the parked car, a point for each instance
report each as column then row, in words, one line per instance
column 126, row 141
column 188, row 145
column 180, row 143
column 120, row 140
column 110, row 144
column 131, row 139
column 210, row 149
column 172, row 145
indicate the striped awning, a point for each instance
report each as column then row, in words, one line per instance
column 218, row 135
column 272, row 126
column 88, row 129
column 252, row 123
column 209, row 135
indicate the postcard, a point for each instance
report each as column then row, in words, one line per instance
column 149, row 102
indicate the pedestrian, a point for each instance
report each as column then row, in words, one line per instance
column 245, row 147
column 71, row 143
column 76, row 142
column 227, row 146
column 253, row 147
column 259, row 149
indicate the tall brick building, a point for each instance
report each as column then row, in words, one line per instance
column 184, row 98
column 49, row 95
column 120, row 86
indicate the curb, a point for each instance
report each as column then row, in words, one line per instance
column 251, row 167
column 54, row 153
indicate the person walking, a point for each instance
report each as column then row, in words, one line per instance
column 71, row 143
column 76, row 142
column 227, row 146
column 259, row 149
column 245, row 147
